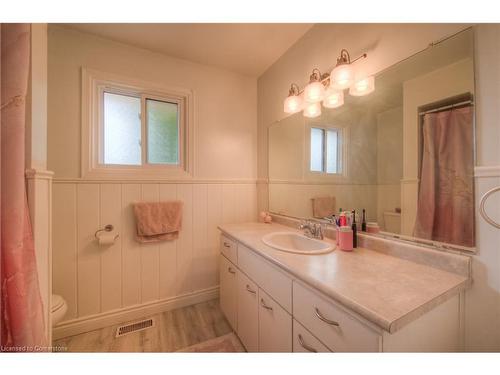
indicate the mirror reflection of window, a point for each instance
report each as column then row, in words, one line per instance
column 317, row 147
column 325, row 148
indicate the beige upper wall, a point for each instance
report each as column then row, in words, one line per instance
column 385, row 44
column 225, row 103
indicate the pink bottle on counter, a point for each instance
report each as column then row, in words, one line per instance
column 345, row 238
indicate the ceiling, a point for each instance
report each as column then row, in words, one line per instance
column 243, row 48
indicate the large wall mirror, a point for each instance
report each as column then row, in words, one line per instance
column 404, row 153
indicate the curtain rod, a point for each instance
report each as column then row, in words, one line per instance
column 439, row 109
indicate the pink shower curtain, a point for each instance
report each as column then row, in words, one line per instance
column 445, row 210
column 22, row 322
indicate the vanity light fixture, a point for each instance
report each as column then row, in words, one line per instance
column 328, row 88
column 363, row 86
column 342, row 75
column 333, row 98
column 312, row 110
column 293, row 103
column 314, row 92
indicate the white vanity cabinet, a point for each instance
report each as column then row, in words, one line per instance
column 305, row 342
column 273, row 311
column 248, row 312
column 228, row 291
column 275, row 326
column 330, row 323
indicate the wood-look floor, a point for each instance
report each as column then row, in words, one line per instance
column 173, row 330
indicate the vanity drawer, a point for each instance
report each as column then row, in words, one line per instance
column 305, row 342
column 267, row 276
column 229, row 248
column 338, row 330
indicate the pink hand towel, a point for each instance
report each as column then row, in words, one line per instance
column 158, row 221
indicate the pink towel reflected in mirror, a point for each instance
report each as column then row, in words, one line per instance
column 323, row 206
column 445, row 211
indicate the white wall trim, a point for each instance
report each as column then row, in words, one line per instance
column 97, row 321
column 39, row 174
column 39, row 195
column 407, row 181
column 63, row 180
column 313, row 183
column 493, row 171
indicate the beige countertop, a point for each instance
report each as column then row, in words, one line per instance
column 384, row 289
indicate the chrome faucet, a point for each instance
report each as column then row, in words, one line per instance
column 312, row 230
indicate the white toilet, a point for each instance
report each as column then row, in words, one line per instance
column 59, row 308
column 392, row 222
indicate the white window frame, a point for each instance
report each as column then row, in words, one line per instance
column 94, row 84
column 343, row 133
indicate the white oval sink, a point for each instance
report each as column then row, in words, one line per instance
column 293, row 242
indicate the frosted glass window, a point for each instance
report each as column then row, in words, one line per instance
column 317, row 147
column 331, row 151
column 122, row 129
column 163, row 132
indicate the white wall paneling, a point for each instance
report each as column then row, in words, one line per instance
column 95, row 280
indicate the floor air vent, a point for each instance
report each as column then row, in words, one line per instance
column 134, row 327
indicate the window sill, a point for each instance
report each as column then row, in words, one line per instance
column 137, row 174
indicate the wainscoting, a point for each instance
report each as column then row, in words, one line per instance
column 95, row 280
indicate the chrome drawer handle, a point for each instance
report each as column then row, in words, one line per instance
column 250, row 290
column 227, row 244
column 326, row 320
column 263, row 304
column 231, row 270
column 305, row 346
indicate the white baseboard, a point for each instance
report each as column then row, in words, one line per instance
column 97, row 321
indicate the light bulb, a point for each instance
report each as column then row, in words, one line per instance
column 312, row 110
column 342, row 76
column 314, row 92
column 292, row 104
column 363, row 86
column 333, row 98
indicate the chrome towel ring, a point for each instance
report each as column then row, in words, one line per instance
column 482, row 211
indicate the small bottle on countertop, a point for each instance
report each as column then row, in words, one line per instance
column 363, row 221
column 343, row 219
column 345, row 238
column 354, row 230
column 372, row 227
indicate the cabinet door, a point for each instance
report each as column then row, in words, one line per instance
column 305, row 342
column 275, row 326
column 248, row 313
column 228, row 297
